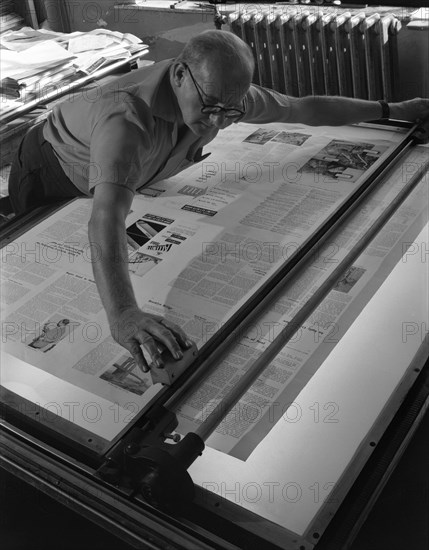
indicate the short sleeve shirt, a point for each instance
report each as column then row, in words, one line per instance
column 123, row 133
column 126, row 132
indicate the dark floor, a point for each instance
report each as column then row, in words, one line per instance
column 400, row 517
column 399, row 520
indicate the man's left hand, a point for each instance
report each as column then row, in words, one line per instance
column 413, row 109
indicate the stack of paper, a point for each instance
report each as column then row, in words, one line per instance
column 34, row 62
column 8, row 19
column 28, row 72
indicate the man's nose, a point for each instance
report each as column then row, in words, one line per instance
column 219, row 120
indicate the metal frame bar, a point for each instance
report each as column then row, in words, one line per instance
column 74, row 486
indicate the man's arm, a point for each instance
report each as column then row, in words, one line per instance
column 265, row 106
column 338, row 111
column 130, row 326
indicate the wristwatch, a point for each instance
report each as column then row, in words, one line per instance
column 385, row 113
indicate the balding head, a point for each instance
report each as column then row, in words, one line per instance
column 214, row 70
column 221, row 50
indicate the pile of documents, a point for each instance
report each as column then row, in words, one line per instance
column 8, row 19
column 33, row 62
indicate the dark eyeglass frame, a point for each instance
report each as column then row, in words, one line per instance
column 214, row 109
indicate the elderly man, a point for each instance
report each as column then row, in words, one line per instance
column 152, row 124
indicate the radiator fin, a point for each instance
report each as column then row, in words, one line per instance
column 316, row 52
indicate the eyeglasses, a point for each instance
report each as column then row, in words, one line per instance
column 214, row 109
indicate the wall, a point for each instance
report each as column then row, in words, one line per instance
column 165, row 30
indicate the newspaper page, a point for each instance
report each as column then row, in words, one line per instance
column 198, row 248
column 272, row 396
column 246, row 164
column 51, row 310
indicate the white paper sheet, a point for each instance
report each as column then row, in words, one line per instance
column 13, row 64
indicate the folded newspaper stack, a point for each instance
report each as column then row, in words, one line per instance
column 35, row 61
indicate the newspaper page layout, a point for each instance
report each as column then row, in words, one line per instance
column 51, row 310
column 199, row 245
column 273, row 395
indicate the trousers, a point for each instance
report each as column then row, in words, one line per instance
column 36, row 177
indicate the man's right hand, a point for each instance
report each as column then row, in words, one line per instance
column 142, row 333
column 139, row 332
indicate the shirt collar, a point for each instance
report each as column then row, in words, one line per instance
column 163, row 103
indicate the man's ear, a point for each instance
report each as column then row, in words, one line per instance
column 179, row 69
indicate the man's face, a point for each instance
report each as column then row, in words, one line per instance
column 209, row 89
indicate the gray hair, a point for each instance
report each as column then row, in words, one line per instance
column 218, row 47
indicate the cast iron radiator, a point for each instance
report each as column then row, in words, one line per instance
column 318, row 52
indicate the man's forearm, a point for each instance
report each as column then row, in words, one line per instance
column 333, row 110
column 110, row 265
column 137, row 331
